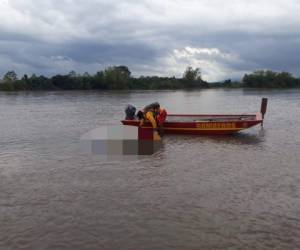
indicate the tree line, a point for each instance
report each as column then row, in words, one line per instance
column 262, row 79
column 120, row 78
column 112, row 78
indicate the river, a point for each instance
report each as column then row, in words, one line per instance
column 205, row 192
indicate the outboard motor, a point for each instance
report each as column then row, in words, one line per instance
column 130, row 112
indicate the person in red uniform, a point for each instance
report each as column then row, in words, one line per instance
column 161, row 118
column 162, row 115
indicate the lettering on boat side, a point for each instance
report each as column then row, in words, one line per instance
column 216, row 125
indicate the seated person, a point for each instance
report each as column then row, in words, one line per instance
column 130, row 112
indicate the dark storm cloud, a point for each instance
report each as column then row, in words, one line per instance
column 38, row 56
column 103, row 53
column 224, row 39
column 274, row 53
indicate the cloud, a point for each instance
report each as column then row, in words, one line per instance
column 213, row 63
column 224, row 39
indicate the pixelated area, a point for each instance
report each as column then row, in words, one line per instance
column 117, row 141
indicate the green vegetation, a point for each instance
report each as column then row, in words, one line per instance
column 119, row 77
column 270, row 79
column 261, row 79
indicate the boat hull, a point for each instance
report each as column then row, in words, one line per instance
column 204, row 124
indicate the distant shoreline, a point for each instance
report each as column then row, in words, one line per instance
column 132, row 90
column 119, row 78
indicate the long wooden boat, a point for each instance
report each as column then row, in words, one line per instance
column 207, row 124
column 204, row 124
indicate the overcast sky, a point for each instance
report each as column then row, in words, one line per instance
column 152, row 37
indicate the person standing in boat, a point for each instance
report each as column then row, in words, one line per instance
column 155, row 115
column 160, row 116
column 149, row 113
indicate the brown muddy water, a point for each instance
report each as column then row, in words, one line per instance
column 229, row 192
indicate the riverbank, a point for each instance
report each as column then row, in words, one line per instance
column 119, row 78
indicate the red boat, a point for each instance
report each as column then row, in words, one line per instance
column 207, row 124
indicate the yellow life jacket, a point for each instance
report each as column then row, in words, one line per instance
column 151, row 118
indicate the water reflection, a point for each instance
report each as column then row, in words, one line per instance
column 234, row 139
